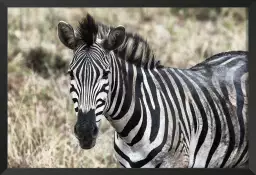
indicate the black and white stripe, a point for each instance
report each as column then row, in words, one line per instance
column 198, row 113
column 205, row 107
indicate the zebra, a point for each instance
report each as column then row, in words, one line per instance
column 163, row 117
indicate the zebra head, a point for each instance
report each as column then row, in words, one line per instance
column 90, row 74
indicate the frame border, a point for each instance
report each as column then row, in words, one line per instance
column 129, row 3
column 3, row 91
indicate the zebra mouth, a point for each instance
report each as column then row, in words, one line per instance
column 85, row 144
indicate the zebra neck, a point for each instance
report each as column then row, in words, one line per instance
column 123, row 94
column 137, row 104
column 140, row 114
column 131, row 109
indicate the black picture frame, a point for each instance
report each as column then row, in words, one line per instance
column 5, row 4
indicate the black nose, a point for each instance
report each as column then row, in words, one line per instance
column 86, row 127
column 85, row 132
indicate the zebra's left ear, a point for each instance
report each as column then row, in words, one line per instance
column 114, row 39
column 66, row 34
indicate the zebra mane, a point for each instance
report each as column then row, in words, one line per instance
column 87, row 30
column 134, row 50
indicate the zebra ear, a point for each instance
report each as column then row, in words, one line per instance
column 66, row 34
column 114, row 39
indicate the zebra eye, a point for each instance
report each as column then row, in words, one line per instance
column 67, row 73
column 105, row 74
column 70, row 73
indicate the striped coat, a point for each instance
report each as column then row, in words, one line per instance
column 163, row 117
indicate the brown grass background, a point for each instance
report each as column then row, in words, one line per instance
column 40, row 111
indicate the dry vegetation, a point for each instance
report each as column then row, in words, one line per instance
column 40, row 111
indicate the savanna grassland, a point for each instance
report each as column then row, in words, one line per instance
column 40, row 111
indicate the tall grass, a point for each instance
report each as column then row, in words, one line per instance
column 40, row 111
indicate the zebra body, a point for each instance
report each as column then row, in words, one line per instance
column 197, row 115
column 163, row 117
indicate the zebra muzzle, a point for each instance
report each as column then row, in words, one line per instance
column 87, row 144
column 86, row 130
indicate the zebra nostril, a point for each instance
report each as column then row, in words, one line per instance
column 95, row 131
column 76, row 130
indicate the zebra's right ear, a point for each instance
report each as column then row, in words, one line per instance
column 114, row 39
column 66, row 34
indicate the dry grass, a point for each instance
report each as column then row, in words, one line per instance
column 40, row 111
